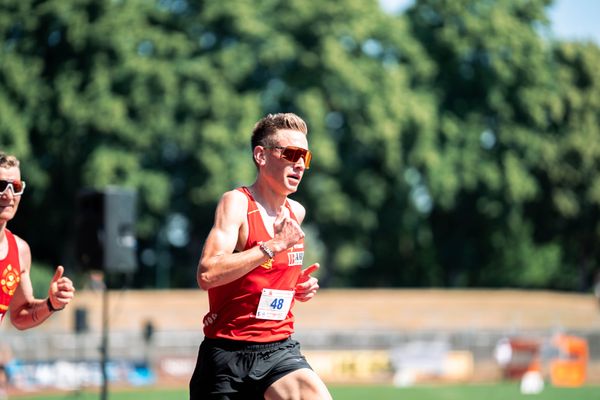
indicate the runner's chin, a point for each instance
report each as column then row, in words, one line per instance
column 292, row 183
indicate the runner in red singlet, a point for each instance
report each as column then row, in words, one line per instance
column 251, row 265
column 16, row 292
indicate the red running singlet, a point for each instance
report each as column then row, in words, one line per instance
column 233, row 306
column 10, row 274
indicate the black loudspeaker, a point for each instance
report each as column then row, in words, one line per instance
column 81, row 324
column 105, row 226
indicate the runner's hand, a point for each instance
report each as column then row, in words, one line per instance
column 287, row 231
column 61, row 289
column 307, row 286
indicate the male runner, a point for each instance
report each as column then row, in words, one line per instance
column 16, row 292
column 251, row 265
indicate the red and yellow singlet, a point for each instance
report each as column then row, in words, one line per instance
column 10, row 274
column 258, row 306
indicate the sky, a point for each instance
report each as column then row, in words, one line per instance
column 576, row 19
column 571, row 19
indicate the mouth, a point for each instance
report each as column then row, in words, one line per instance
column 294, row 178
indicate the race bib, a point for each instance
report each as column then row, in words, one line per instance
column 274, row 304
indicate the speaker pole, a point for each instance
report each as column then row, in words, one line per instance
column 104, row 342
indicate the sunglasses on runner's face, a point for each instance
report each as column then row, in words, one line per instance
column 17, row 187
column 293, row 154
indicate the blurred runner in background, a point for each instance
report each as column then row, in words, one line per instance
column 16, row 292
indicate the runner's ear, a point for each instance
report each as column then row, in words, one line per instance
column 260, row 155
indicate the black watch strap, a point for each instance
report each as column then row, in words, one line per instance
column 51, row 307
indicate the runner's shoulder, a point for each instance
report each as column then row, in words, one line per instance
column 234, row 200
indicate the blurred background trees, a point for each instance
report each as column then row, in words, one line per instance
column 455, row 144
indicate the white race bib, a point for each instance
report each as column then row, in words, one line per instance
column 274, row 304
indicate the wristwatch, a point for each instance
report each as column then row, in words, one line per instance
column 266, row 249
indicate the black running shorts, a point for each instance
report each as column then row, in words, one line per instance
column 231, row 369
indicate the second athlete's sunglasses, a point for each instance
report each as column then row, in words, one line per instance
column 17, row 187
column 293, row 154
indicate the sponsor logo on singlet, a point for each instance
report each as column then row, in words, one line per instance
column 267, row 264
column 295, row 258
column 9, row 280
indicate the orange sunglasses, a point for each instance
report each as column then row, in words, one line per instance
column 293, row 154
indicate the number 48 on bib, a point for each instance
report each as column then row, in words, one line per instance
column 274, row 304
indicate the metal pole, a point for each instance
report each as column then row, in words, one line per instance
column 104, row 345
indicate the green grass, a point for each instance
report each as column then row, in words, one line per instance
column 503, row 391
column 487, row 392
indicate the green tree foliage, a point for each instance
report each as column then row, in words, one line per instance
column 512, row 199
column 114, row 93
column 41, row 276
column 336, row 64
column 572, row 178
column 162, row 97
column 453, row 144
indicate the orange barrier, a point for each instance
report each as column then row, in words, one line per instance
column 569, row 369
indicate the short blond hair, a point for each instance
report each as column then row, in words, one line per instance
column 268, row 126
column 8, row 161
